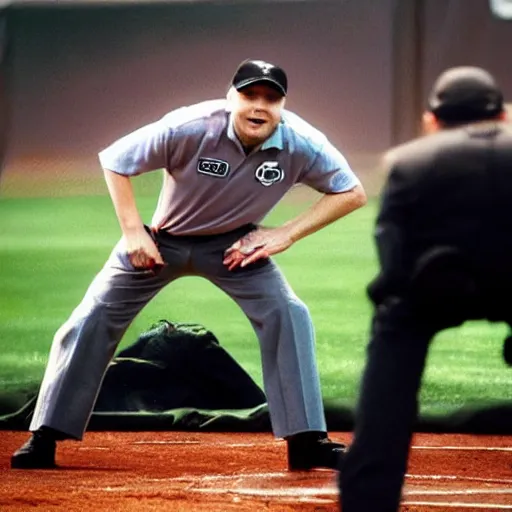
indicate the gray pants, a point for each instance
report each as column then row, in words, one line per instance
column 83, row 347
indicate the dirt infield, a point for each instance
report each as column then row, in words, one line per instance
column 185, row 471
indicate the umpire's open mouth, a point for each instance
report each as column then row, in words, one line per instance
column 256, row 121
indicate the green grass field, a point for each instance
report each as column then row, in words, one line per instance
column 51, row 247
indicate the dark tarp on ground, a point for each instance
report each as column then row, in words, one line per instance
column 176, row 376
column 490, row 420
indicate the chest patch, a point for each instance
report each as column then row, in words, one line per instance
column 269, row 173
column 213, row 167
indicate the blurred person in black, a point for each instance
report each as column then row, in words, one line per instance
column 444, row 242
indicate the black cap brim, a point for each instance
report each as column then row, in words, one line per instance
column 264, row 79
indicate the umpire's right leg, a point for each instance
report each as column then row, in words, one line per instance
column 83, row 347
column 373, row 472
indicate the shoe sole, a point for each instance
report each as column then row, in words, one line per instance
column 19, row 464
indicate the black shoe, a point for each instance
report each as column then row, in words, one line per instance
column 37, row 453
column 307, row 454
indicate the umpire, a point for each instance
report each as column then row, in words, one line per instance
column 225, row 164
column 445, row 249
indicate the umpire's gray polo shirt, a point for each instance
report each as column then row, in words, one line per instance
column 210, row 185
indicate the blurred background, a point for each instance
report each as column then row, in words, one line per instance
column 75, row 76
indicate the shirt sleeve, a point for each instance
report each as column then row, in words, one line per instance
column 330, row 172
column 141, row 151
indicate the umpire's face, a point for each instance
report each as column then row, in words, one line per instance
column 256, row 112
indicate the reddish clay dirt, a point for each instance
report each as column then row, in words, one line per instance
column 184, row 471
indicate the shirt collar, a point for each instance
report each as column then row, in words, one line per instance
column 274, row 141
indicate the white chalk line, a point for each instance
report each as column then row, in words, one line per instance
column 252, row 445
column 466, row 492
column 329, row 495
column 329, row 492
column 167, row 442
column 290, row 476
column 454, row 504
column 332, row 490
column 467, row 448
column 461, row 478
column 212, row 478
column 224, row 445
column 295, row 492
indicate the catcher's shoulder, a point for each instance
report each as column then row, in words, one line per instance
column 417, row 151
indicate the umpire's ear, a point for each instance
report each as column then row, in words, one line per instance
column 231, row 93
column 429, row 123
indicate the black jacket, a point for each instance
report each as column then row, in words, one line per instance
column 451, row 189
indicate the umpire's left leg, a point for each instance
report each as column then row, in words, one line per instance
column 374, row 468
column 287, row 342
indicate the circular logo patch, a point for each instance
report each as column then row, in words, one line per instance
column 269, row 173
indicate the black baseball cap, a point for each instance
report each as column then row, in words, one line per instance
column 253, row 71
column 465, row 94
